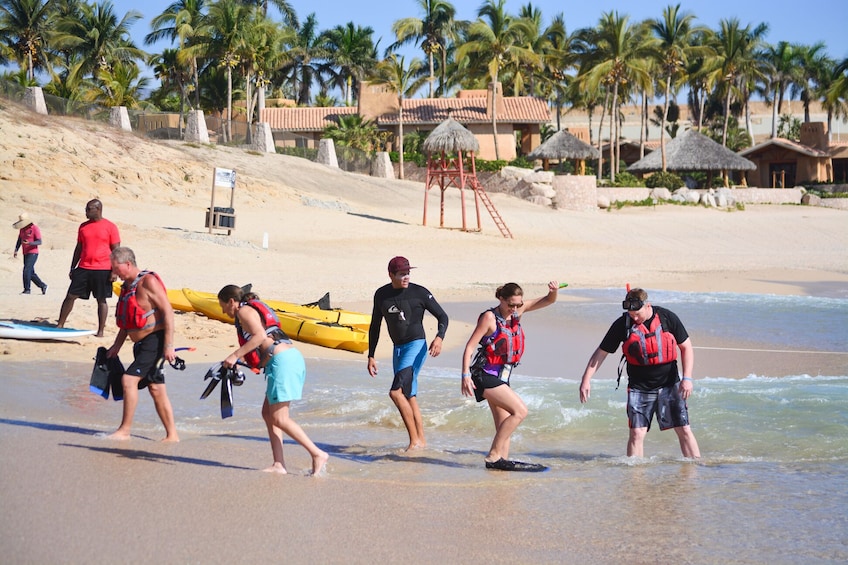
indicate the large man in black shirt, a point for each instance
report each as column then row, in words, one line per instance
column 651, row 336
column 402, row 304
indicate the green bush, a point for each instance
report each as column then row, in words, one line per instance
column 626, row 179
column 666, row 179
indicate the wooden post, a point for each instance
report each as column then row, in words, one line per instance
column 462, row 189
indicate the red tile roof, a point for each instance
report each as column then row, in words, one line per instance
column 304, row 119
column 417, row 111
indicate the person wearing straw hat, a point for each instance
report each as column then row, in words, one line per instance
column 29, row 238
column 91, row 268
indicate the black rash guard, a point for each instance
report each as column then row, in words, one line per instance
column 403, row 309
column 650, row 377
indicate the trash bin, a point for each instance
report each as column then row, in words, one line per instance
column 221, row 218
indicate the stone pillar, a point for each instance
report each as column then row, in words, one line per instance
column 119, row 118
column 34, row 100
column 196, row 127
column 327, row 153
column 263, row 139
column 381, row 166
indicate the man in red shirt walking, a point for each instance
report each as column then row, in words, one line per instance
column 91, row 268
column 29, row 238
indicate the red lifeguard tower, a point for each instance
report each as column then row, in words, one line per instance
column 450, row 152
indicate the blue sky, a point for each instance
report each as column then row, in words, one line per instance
column 805, row 21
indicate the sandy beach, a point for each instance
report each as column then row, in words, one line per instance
column 71, row 498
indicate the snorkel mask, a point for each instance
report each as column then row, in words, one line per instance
column 632, row 303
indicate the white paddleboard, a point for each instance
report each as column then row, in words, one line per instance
column 15, row 330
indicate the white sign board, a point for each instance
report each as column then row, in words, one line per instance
column 225, row 178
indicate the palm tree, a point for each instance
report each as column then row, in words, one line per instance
column 226, row 19
column 813, row 63
column 835, row 94
column 354, row 132
column 494, row 38
column 119, row 85
column 99, row 37
column 183, row 21
column 304, row 55
column 735, row 49
column 675, row 33
column 285, row 8
column 403, row 81
column 560, row 56
column 260, row 52
column 783, row 72
column 23, row 28
column 431, row 31
column 352, row 54
column 172, row 74
column 618, row 55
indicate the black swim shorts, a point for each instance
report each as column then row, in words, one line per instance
column 85, row 282
column 148, row 361
column 483, row 380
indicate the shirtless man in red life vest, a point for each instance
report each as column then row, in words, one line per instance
column 650, row 337
column 145, row 315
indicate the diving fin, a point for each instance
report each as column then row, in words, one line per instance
column 99, row 383
column 213, row 373
column 226, row 398
column 107, row 375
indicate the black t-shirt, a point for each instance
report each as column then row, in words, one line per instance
column 650, row 377
column 403, row 309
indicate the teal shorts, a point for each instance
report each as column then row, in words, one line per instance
column 286, row 373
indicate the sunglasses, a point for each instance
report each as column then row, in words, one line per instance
column 632, row 305
column 514, row 306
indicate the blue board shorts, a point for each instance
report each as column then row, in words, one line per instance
column 665, row 402
column 407, row 361
column 286, row 373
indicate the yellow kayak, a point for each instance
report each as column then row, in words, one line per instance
column 352, row 318
column 175, row 297
column 334, row 315
column 298, row 327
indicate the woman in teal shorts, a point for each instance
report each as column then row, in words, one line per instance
column 262, row 344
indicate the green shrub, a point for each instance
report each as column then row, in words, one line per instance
column 521, row 162
column 491, row 166
column 666, row 179
column 628, row 179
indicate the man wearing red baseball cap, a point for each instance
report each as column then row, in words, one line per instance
column 403, row 304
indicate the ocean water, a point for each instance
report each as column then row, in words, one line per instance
column 772, row 484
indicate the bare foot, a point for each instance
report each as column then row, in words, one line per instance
column 99, row 335
column 414, row 446
column 319, row 464
column 171, row 439
column 115, row 436
column 276, row 468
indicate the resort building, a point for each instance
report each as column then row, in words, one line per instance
column 518, row 120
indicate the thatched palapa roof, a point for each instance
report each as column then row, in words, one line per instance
column 450, row 136
column 563, row 145
column 693, row 151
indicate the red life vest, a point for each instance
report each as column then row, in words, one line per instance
column 128, row 314
column 270, row 322
column 506, row 345
column 648, row 346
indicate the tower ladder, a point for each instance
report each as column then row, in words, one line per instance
column 487, row 202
